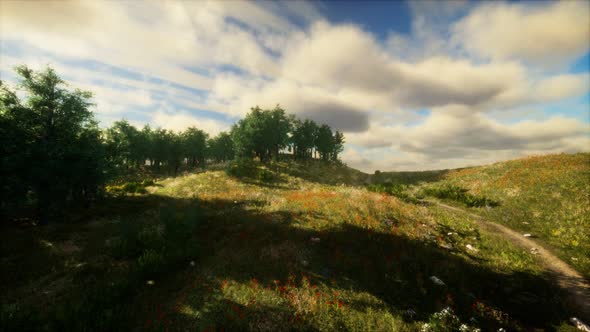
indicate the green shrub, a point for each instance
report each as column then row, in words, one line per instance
column 397, row 190
column 151, row 262
column 460, row 195
column 243, row 168
column 265, row 175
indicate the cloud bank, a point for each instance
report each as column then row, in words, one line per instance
column 436, row 97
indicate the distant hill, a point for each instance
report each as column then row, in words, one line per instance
column 547, row 196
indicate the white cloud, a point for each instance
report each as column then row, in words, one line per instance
column 500, row 63
column 179, row 121
column 539, row 32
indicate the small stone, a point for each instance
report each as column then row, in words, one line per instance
column 526, row 235
column 437, row 281
column 447, row 246
column 470, row 247
column 150, row 282
column 450, row 233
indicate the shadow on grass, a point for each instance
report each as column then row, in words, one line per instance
column 239, row 242
column 408, row 178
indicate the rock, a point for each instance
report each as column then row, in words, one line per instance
column 534, row 251
column 447, row 246
column 471, row 248
column 527, row 235
column 437, row 281
column 150, row 282
column 579, row 324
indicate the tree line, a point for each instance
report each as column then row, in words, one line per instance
column 54, row 153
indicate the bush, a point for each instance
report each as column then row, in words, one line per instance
column 397, row 190
column 151, row 262
column 460, row 195
column 243, row 168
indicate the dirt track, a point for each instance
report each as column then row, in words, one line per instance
column 573, row 284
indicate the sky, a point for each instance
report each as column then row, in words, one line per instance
column 413, row 85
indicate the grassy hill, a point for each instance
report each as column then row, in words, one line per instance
column 546, row 196
column 285, row 247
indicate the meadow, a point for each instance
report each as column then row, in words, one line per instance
column 292, row 246
column 547, row 197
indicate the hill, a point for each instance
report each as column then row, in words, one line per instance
column 545, row 196
column 287, row 246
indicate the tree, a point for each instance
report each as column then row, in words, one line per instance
column 262, row 134
column 338, row 145
column 324, row 142
column 221, row 147
column 303, row 138
column 194, row 144
column 56, row 135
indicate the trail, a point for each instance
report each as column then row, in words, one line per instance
column 576, row 288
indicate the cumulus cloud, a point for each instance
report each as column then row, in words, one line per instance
column 181, row 120
column 541, row 32
column 471, row 66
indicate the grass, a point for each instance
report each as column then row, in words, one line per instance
column 298, row 250
column 546, row 196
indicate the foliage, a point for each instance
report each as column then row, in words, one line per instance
column 52, row 149
column 397, row 190
column 263, row 134
column 460, row 195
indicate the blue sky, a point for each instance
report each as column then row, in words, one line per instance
column 414, row 85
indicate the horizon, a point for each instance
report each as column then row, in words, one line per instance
column 413, row 85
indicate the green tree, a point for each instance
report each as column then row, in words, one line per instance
column 56, row 135
column 325, row 142
column 262, row 134
column 303, row 138
column 221, row 147
column 194, row 143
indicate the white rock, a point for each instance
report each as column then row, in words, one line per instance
column 579, row 324
column 470, row 247
column 437, row 281
column 526, row 235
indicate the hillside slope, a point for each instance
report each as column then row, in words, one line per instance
column 272, row 252
column 545, row 196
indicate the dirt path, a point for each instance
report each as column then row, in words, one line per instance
column 568, row 279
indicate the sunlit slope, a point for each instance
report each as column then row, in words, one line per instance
column 546, row 196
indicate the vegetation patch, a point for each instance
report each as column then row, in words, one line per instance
column 397, row 190
column 459, row 194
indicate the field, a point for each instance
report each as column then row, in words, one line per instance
column 301, row 247
column 545, row 196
